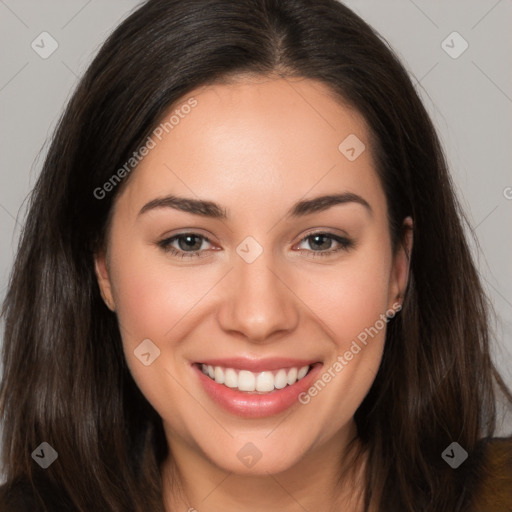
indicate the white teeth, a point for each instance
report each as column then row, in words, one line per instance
column 265, row 382
column 246, row 381
column 262, row 382
column 219, row 375
column 302, row 372
column 292, row 376
column 281, row 379
column 230, row 378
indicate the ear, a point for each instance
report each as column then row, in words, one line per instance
column 401, row 264
column 102, row 275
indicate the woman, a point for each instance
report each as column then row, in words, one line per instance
column 243, row 283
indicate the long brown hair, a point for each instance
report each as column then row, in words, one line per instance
column 65, row 379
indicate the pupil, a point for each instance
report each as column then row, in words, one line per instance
column 321, row 237
column 192, row 242
column 189, row 241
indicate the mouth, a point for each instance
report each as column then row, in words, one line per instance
column 252, row 389
column 255, row 382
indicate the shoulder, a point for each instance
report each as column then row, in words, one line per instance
column 491, row 486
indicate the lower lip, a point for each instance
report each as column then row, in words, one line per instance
column 253, row 405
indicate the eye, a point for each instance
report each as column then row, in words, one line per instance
column 323, row 241
column 185, row 245
column 190, row 245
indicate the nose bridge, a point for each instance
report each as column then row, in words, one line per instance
column 257, row 303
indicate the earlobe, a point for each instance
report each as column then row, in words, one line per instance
column 402, row 262
column 408, row 237
column 102, row 275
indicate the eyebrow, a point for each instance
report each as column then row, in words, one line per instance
column 213, row 210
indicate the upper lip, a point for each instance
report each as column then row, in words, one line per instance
column 259, row 365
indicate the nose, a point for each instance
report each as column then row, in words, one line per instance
column 258, row 305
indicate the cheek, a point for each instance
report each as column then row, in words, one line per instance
column 351, row 296
column 350, row 303
column 153, row 296
column 155, row 300
column 152, row 302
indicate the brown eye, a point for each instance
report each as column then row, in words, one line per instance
column 188, row 245
column 320, row 243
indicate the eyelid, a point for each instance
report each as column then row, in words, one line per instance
column 344, row 243
column 165, row 245
column 190, row 231
column 324, row 231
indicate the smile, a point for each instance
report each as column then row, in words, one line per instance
column 262, row 382
column 256, row 389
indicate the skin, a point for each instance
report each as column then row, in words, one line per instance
column 255, row 146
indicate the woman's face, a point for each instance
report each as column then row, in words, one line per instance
column 262, row 282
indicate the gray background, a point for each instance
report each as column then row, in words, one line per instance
column 469, row 98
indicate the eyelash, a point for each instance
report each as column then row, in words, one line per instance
column 345, row 245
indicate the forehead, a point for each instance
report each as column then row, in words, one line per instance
column 258, row 139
